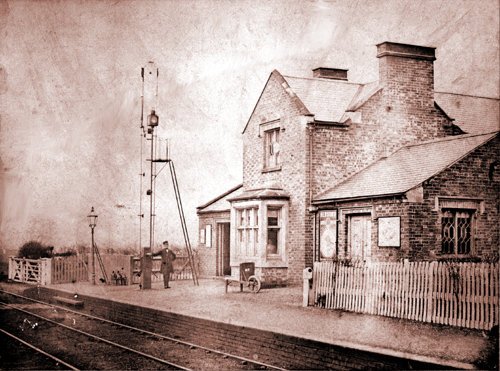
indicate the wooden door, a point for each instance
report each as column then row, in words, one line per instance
column 359, row 238
column 223, row 249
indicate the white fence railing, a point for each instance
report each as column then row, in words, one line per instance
column 30, row 270
column 457, row 294
column 47, row 271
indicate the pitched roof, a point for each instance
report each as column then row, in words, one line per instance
column 327, row 99
column 331, row 100
column 261, row 194
column 472, row 114
column 406, row 168
column 281, row 80
column 220, row 203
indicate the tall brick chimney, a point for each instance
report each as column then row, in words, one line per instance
column 407, row 73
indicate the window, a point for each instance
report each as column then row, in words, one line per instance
column 456, row 231
column 273, row 230
column 208, row 235
column 272, row 148
column 247, row 231
column 457, row 223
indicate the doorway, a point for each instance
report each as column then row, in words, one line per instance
column 223, row 250
column 359, row 236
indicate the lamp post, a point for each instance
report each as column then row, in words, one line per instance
column 92, row 224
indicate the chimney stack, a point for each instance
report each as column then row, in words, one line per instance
column 330, row 73
column 407, row 73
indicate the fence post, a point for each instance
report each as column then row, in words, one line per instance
column 11, row 268
column 307, row 275
column 45, row 271
column 430, row 292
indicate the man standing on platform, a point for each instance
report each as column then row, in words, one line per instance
column 167, row 257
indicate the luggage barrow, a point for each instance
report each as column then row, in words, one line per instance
column 247, row 278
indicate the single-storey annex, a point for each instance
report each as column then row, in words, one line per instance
column 339, row 170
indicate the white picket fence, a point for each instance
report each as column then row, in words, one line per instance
column 69, row 269
column 457, row 294
column 48, row 270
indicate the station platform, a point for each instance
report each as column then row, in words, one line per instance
column 280, row 310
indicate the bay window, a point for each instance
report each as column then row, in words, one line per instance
column 247, row 231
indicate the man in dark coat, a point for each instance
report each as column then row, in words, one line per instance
column 167, row 257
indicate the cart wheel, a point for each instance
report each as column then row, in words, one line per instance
column 254, row 284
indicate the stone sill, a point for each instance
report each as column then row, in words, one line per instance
column 271, row 169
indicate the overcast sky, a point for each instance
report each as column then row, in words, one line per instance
column 70, row 93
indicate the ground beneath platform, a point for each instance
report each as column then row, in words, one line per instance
column 280, row 310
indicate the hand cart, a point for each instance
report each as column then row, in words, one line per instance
column 247, row 278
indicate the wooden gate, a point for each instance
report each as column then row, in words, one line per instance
column 30, row 270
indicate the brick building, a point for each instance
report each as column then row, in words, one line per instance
column 335, row 169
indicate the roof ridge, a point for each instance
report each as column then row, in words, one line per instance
column 322, row 79
column 449, row 137
column 219, row 197
column 467, row 95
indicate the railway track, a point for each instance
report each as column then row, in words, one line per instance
column 81, row 341
column 19, row 354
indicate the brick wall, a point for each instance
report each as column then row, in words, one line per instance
column 208, row 255
column 420, row 223
column 277, row 104
column 470, row 177
column 402, row 112
column 377, row 208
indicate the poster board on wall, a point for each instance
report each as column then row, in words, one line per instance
column 389, row 231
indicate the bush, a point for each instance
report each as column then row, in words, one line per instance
column 35, row 250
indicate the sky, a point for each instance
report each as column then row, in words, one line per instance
column 70, row 89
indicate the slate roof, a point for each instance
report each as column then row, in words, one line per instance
column 261, row 194
column 327, row 99
column 472, row 114
column 330, row 100
column 406, row 168
column 220, row 203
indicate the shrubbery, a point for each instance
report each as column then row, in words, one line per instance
column 35, row 250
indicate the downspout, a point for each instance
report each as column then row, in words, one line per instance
column 310, row 181
column 310, row 128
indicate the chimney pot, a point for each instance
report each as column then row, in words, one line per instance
column 330, row 73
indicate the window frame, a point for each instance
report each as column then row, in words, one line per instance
column 247, row 233
column 278, row 227
column 455, row 238
column 271, row 148
column 472, row 205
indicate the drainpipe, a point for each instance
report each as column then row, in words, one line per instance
column 310, row 130
column 310, row 181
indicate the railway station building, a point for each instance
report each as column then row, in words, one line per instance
column 379, row 171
